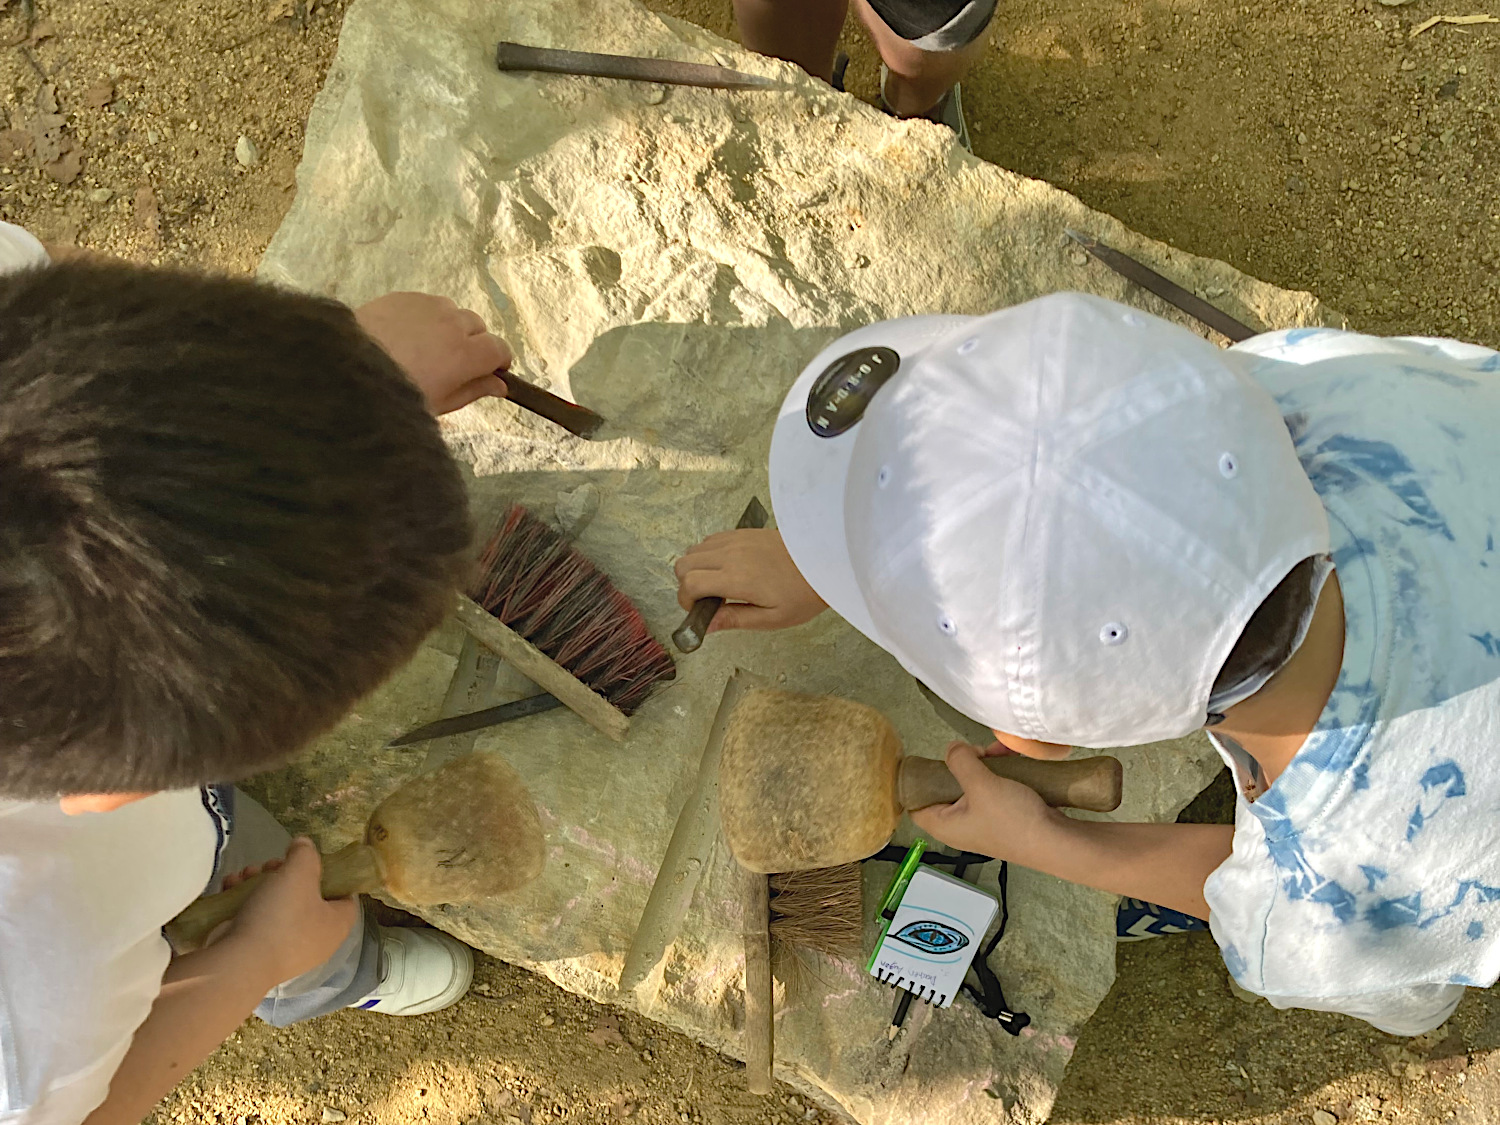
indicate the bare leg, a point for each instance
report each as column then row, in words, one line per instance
column 918, row 78
column 804, row 32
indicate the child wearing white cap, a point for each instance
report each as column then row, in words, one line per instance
column 1085, row 526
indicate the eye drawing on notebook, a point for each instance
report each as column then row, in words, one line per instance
column 931, row 937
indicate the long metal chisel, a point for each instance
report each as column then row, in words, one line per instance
column 1169, row 291
column 478, row 720
column 518, row 56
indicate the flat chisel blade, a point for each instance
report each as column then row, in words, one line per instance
column 754, row 515
column 1169, row 291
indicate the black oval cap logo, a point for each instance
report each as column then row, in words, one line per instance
column 841, row 394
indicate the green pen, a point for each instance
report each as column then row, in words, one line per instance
column 895, row 892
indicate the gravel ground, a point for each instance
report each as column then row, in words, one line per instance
column 1321, row 145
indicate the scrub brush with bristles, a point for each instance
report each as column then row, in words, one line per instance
column 559, row 620
column 820, row 910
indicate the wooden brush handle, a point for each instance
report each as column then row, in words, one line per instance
column 1085, row 783
column 760, row 1020
column 540, row 668
column 349, row 871
column 579, row 421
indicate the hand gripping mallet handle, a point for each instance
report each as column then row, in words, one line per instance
column 1093, row 784
column 810, row 781
column 349, row 871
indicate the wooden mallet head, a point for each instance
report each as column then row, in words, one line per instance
column 462, row 833
column 812, row 781
column 465, row 832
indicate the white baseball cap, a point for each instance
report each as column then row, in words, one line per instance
column 1059, row 516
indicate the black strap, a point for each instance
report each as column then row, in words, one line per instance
column 894, row 853
column 990, row 996
column 840, row 67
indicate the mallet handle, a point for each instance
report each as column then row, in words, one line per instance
column 540, row 668
column 1084, row 783
column 760, row 994
column 349, row 871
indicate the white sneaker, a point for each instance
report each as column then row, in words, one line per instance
column 421, row 971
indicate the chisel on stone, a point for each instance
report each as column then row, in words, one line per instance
column 579, row 421
column 669, row 72
column 478, row 720
column 1169, row 291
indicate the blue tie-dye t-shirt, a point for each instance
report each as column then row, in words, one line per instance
column 1366, row 880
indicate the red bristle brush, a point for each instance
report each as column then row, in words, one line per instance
column 560, row 622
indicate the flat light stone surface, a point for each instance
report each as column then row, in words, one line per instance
column 672, row 258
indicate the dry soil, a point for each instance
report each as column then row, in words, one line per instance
column 1320, row 144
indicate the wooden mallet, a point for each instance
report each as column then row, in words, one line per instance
column 812, row 781
column 464, row 832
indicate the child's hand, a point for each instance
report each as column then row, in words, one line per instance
column 995, row 816
column 235, row 878
column 751, row 570
column 285, row 924
column 448, row 352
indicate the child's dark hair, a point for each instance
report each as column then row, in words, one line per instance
column 224, row 516
column 1266, row 643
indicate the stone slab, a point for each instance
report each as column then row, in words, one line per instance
column 671, row 258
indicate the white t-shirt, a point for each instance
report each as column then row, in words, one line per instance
column 1366, row 880
column 82, row 903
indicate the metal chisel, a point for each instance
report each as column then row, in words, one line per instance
column 518, row 56
column 478, row 720
column 695, row 625
column 1169, row 291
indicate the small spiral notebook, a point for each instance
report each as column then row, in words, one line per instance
column 932, row 936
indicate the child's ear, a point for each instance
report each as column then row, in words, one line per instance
column 1031, row 748
column 76, row 804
